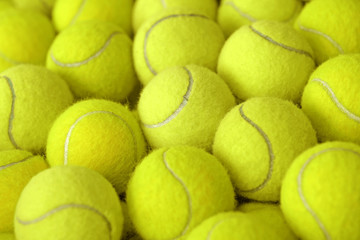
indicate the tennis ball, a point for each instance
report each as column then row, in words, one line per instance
column 145, row 9
column 68, row 12
column 31, row 98
column 331, row 27
column 320, row 192
column 158, row 45
column 98, row 134
column 95, row 58
column 331, row 99
column 7, row 236
column 174, row 189
column 68, row 202
column 257, row 141
column 5, row 4
column 236, row 13
column 184, row 106
column 43, row 6
column 266, row 59
column 17, row 167
column 25, row 37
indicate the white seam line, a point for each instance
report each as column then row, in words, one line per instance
column 11, row 61
column 181, row 106
column 163, row 3
column 11, row 117
column 63, row 207
column 217, row 225
column 14, row 163
column 332, row 41
column 270, row 150
column 237, row 9
column 78, row 64
column 186, row 228
column 67, row 140
column 291, row 49
column 333, row 97
column 152, row 70
column 76, row 16
column 300, row 191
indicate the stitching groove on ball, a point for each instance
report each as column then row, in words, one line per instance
column 280, row 44
column 333, row 97
column 187, row 195
column 237, row 9
column 66, row 148
column 152, row 28
column 300, row 191
column 181, row 106
column 81, row 8
column 217, row 225
column 14, row 163
column 270, row 150
column 66, row 206
column 78, row 64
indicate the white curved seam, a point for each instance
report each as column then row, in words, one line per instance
column 332, row 41
column 81, row 8
column 66, row 206
column 216, row 226
column 11, row 61
column 67, row 140
column 78, row 64
column 163, row 3
column 186, row 228
column 11, row 117
column 270, row 151
column 299, row 51
column 336, row 101
column 237, row 9
column 300, row 191
column 181, row 106
column 14, row 163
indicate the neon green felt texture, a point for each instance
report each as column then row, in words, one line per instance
column 43, row 6
column 98, row 134
column 329, row 186
column 7, row 236
column 16, row 169
column 25, row 37
column 334, row 109
column 145, row 9
column 170, row 194
column 257, row 67
column 233, row 14
column 178, row 121
column 68, row 12
column 30, row 105
column 176, row 38
column 68, row 202
column 95, row 58
column 264, row 135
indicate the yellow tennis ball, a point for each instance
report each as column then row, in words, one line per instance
column 68, row 202
column 331, row 99
column 5, row 4
column 98, row 134
column 320, row 192
column 31, row 99
column 158, row 45
column 233, row 14
column 174, row 189
column 266, row 59
column 145, row 9
column 95, row 58
column 184, row 106
column 7, row 236
column 257, row 141
column 331, row 27
column 25, row 37
column 16, row 169
column 43, row 6
column 68, row 12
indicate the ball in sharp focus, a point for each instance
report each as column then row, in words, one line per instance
column 184, row 105
column 95, row 58
column 43, row 6
column 17, row 167
column 31, row 99
column 98, row 134
column 331, row 99
column 320, row 193
column 68, row 202
column 158, row 45
column 257, row 141
column 173, row 190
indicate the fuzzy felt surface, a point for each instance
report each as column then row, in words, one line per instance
column 43, row 6
column 257, row 142
column 31, row 99
column 331, row 99
column 17, row 167
column 321, row 193
column 173, row 190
